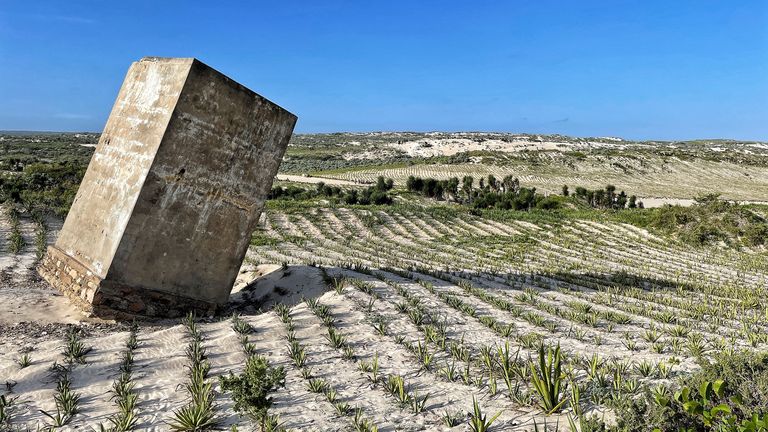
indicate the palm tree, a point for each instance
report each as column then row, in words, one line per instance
column 511, row 184
column 492, row 183
column 621, row 200
column 466, row 186
column 610, row 192
column 599, row 198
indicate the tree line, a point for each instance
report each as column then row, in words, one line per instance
column 506, row 193
column 489, row 192
column 605, row 198
column 376, row 194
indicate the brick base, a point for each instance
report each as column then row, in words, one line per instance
column 108, row 299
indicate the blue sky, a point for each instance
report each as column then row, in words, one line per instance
column 637, row 69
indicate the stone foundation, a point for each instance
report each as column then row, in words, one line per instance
column 107, row 299
column 70, row 277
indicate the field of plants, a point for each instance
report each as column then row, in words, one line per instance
column 432, row 319
column 414, row 314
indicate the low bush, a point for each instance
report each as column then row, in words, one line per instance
column 729, row 394
column 713, row 221
column 250, row 389
column 43, row 186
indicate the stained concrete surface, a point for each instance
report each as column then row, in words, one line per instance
column 174, row 189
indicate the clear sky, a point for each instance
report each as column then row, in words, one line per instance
column 672, row 69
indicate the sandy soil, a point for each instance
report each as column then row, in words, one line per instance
column 34, row 319
column 24, row 297
column 448, row 144
column 447, row 147
column 314, row 180
column 286, row 274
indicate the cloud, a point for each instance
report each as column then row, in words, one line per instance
column 562, row 120
column 72, row 116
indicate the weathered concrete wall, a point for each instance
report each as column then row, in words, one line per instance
column 166, row 210
column 117, row 170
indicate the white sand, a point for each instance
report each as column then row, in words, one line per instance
column 313, row 180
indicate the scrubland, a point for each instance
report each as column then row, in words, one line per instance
column 428, row 312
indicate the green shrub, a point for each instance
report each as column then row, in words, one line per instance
column 250, row 389
column 43, row 186
column 551, row 202
column 756, row 234
column 745, row 373
column 712, row 221
column 729, row 394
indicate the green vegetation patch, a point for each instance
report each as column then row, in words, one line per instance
column 260, row 238
column 42, row 186
column 728, row 394
column 250, row 389
column 713, row 221
column 371, row 195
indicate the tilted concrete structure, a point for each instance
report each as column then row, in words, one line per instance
column 164, row 215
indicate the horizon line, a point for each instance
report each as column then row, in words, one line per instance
column 23, row 131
